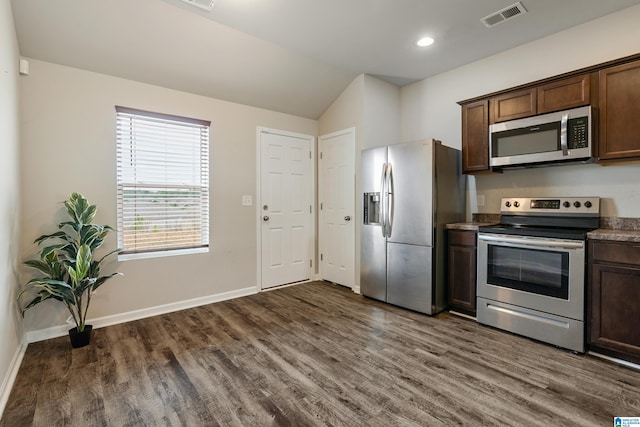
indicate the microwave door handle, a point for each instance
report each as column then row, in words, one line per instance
column 563, row 134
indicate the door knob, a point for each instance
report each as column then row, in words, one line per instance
column 265, row 218
column 347, row 218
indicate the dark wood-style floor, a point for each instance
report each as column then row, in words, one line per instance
column 314, row 354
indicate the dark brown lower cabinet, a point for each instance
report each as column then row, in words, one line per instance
column 614, row 299
column 462, row 271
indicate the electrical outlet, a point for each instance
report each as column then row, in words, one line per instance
column 480, row 199
column 247, row 201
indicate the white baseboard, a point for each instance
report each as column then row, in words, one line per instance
column 10, row 377
column 100, row 322
column 356, row 289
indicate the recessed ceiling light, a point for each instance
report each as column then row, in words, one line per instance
column 425, row 41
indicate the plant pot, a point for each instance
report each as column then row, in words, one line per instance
column 80, row 339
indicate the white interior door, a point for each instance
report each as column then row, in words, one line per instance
column 286, row 197
column 337, row 207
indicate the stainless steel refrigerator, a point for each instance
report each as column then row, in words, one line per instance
column 410, row 192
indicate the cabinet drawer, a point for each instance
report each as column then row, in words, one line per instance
column 618, row 252
column 462, row 238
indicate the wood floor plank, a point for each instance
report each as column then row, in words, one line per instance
column 314, row 354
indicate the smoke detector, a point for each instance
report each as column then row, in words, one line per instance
column 505, row 14
column 202, row 4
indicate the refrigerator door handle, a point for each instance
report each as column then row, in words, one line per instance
column 383, row 198
column 390, row 203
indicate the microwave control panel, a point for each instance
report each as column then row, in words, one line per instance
column 578, row 132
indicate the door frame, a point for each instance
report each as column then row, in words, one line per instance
column 258, row 207
column 356, row 217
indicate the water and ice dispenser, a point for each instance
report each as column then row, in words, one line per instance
column 371, row 208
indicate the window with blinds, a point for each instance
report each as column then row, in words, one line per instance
column 163, row 182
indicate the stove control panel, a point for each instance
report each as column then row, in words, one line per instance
column 576, row 206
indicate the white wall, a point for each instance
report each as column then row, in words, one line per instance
column 346, row 111
column 381, row 113
column 10, row 324
column 68, row 144
column 429, row 109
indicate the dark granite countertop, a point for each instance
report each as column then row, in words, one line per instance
column 611, row 228
column 469, row 226
column 478, row 220
column 617, row 229
column 616, row 235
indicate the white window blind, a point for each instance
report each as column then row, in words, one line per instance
column 163, row 181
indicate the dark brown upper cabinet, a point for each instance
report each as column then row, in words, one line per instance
column 564, row 94
column 475, row 137
column 513, row 105
column 619, row 93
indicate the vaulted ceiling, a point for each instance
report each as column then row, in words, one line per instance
column 292, row 56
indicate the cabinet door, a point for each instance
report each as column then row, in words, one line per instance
column 462, row 272
column 563, row 94
column 615, row 311
column 475, row 137
column 513, row 105
column 619, row 102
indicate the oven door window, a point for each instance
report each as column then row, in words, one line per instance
column 536, row 271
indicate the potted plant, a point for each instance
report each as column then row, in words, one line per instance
column 69, row 270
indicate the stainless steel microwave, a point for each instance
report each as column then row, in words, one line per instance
column 563, row 136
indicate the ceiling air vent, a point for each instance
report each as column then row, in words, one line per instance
column 503, row 15
column 202, row 4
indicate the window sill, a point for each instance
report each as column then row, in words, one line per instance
column 161, row 254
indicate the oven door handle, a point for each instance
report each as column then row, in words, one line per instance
column 530, row 242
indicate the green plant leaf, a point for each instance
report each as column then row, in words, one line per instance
column 74, row 225
column 83, row 261
column 44, row 252
column 42, row 266
column 69, row 254
column 101, row 280
column 89, row 213
column 76, row 206
column 55, row 288
column 45, row 281
column 86, row 284
column 57, row 234
column 115, row 251
column 43, row 296
column 73, row 275
column 91, row 235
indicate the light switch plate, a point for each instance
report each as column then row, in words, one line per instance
column 247, row 201
column 480, row 199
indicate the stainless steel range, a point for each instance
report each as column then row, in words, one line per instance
column 531, row 268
